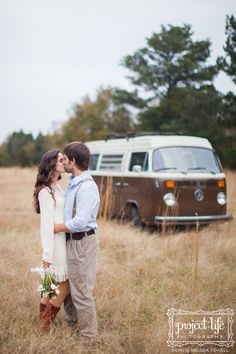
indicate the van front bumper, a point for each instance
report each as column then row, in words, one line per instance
column 192, row 219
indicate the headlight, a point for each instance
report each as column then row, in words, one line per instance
column 169, row 199
column 221, row 198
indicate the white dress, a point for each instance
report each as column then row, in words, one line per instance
column 53, row 245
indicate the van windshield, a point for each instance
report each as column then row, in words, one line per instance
column 186, row 159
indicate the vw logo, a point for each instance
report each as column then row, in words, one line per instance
column 199, row 195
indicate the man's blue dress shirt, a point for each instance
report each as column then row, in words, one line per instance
column 87, row 203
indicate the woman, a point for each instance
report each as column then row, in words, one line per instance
column 49, row 203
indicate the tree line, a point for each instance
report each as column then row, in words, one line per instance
column 173, row 92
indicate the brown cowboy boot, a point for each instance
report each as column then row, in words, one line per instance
column 48, row 316
column 42, row 308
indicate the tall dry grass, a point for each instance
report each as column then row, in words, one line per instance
column 140, row 276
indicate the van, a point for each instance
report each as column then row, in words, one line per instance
column 156, row 179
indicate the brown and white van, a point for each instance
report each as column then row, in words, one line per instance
column 160, row 179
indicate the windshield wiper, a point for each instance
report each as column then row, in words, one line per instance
column 166, row 168
column 170, row 168
column 200, row 168
column 196, row 168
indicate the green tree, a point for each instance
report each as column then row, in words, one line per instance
column 42, row 144
column 228, row 111
column 228, row 63
column 20, row 147
column 192, row 111
column 170, row 60
column 4, row 155
column 173, row 83
column 94, row 119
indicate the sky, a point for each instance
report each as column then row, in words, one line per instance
column 54, row 52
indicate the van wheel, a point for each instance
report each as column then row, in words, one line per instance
column 131, row 215
column 135, row 218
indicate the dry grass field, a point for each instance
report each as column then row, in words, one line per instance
column 140, row 276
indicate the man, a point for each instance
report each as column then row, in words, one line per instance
column 81, row 208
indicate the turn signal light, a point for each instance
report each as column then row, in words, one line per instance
column 170, row 184
column 221, row 183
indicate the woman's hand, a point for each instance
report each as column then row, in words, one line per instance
column 45, row 264
column 60, row 228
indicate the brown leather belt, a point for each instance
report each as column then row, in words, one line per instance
column 78, row 235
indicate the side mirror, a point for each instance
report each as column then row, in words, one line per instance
column 137, row 168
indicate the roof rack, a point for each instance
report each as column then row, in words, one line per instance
column 131, row 134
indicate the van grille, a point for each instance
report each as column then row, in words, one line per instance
column 196, row 184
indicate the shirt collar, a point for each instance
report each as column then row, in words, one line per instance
column 77, row 179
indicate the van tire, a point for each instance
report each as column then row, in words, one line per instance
column 135, row 218
column 131, row 215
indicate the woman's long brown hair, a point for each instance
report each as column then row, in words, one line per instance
column 44, row 177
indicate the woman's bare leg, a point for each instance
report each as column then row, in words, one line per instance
column 64, row 289
column 44, row 300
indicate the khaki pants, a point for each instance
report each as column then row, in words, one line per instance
column 81, row 258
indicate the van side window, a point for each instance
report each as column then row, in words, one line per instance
column 139, row 158
column 93, row 161
column 111, row 162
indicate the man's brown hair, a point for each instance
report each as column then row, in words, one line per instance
column 78, row 151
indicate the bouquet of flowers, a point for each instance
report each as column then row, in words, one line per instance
column 49, row 286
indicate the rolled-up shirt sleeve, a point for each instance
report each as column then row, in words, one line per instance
column 87, row 205
column 46, row 203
